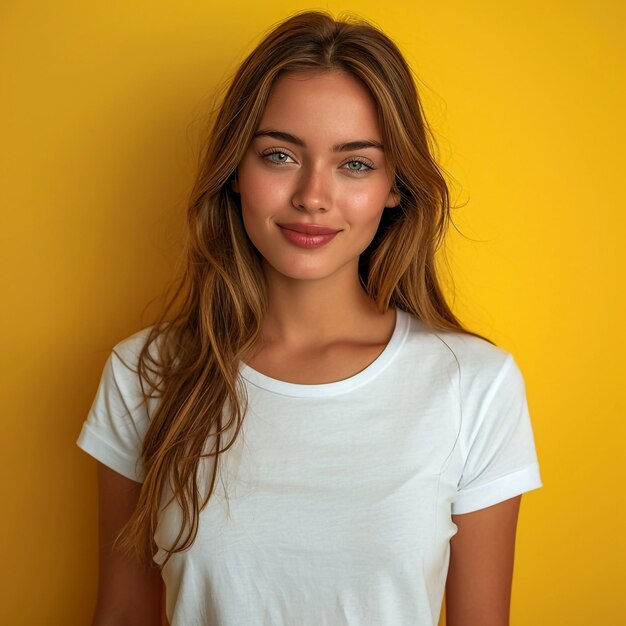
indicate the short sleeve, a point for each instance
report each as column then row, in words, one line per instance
column 500, row 460
column 115, row 427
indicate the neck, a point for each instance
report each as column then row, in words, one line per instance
column 310, row 312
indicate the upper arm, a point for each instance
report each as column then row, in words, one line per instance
column 128, row 592
column 478, row 588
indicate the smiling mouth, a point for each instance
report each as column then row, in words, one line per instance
column 307, row 235
column 309, row 229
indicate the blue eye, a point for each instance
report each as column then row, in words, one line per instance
column 277, row 157
column 358, row 166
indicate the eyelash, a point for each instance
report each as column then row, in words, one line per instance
column 368, row 165
column 266, row 154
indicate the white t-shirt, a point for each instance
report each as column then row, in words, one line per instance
column 334, row 505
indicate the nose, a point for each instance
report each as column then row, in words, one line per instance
column 313, row 191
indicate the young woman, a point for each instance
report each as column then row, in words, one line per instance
column 308, row 436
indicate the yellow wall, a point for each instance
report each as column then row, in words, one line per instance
column 101, row 108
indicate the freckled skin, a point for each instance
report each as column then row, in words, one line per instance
column 282, row 182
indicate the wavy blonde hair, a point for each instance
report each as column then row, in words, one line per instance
column 214, row 315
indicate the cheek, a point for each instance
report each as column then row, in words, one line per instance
column 365, row 207
column 260, row 196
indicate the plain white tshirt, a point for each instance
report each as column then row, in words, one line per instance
column 334, row 505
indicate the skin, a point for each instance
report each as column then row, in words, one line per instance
column 321, row 326
column 478, row 588
column 128, row 594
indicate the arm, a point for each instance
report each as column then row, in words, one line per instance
column 478, row 589
column 128, row 593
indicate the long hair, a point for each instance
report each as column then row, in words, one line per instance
column 215, row 314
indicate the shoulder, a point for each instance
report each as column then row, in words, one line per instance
column 129, row 348
column 125, row 355
column 473, row 357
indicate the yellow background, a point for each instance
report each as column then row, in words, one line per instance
column 102, row 108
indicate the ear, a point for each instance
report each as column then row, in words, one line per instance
column 393, row 199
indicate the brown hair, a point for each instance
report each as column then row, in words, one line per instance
column 214, row 316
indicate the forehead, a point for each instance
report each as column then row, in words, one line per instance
column 320, row 105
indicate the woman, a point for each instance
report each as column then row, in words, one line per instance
column 308, row 435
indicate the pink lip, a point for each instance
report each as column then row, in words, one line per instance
column 307, row 235
column 309, row 229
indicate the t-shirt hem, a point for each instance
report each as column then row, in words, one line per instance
column 499, row 490
column 92, row 442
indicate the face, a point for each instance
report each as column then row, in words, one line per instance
column 314, row 181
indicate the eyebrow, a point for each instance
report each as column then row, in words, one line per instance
column 339, row 147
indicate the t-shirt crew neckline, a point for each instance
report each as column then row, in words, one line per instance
column 323, row 390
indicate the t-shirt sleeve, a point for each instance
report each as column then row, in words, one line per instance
column 499, row 448
column 118, row 420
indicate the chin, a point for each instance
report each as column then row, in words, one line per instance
column 302, row 271
column 304, row 274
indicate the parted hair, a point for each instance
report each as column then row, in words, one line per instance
column 214, row 313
